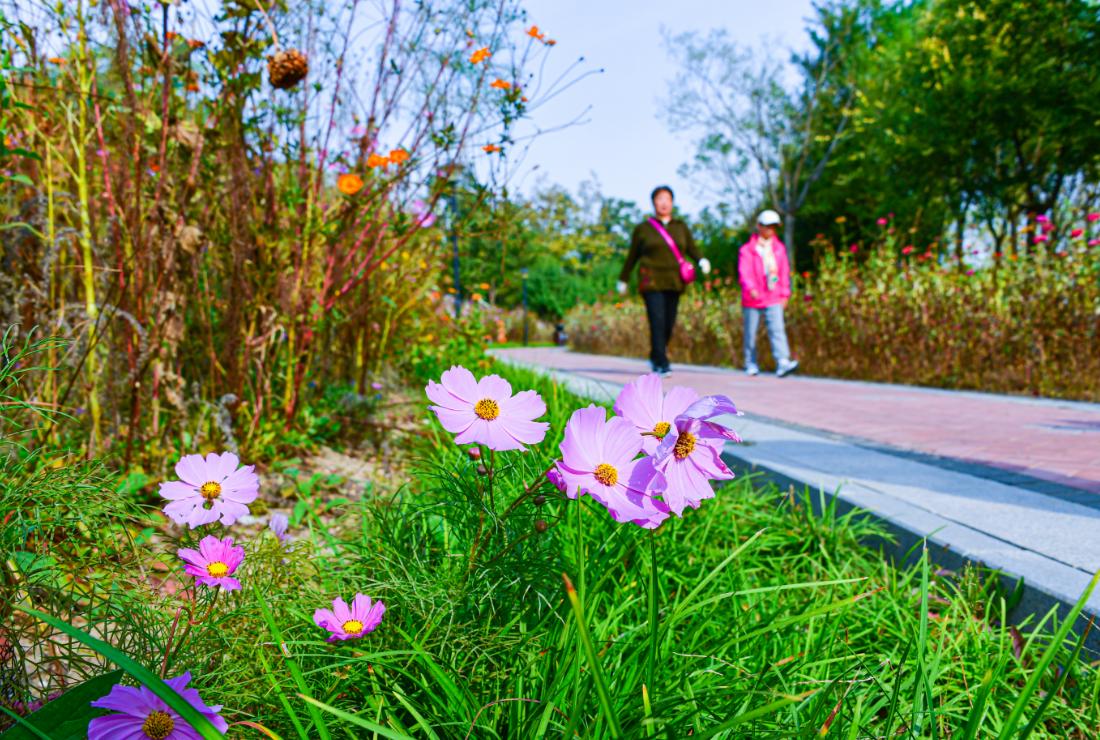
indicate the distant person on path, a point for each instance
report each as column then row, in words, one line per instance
column 660, row 247
column 765, row 287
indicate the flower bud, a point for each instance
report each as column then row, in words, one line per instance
column 482, row 470
column 540, row 500
column 474, row 453
column 541, row 526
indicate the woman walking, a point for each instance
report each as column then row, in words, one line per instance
column 765, row 287
column 657, row 246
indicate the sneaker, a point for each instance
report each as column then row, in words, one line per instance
column 752, row 370
column 665, row 372
column 786, row 368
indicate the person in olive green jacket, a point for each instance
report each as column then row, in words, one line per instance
column 659, row 273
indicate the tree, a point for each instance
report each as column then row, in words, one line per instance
column 758, row 135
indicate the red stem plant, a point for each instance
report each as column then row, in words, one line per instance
column 184, row 228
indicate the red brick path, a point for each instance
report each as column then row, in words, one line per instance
column 1051, row 440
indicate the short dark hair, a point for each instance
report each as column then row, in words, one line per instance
column 658, row 189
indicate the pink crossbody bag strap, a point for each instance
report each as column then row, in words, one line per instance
column 687, row 270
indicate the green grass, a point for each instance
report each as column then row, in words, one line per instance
column 750, row 617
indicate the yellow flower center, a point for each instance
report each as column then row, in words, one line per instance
column 685, row 443
column 158, row 725
column 487, row 409
column 606, row 474
column 217, row 569
column 210, row 490
column 661, row 429
column 353, row 627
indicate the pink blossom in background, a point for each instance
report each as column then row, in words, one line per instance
column 1076, row 233
column 1039, row 238
column 1042, row 218
column 644, row 404
column 1094, row 242
column 278, row 525
column 348, row 623
column 214, row 563
column 424, row 217
column 1092, row 217
column 854, row 248
column 485, row 411
column 599, row 457
column 1046, row 226
column 882, row 221
column 908, row 249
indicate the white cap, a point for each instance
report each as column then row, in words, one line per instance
column 768, row 218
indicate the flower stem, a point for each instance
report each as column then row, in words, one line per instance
column 653, row 626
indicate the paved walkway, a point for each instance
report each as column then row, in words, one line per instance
column 1055, row 441
column 1012, row 483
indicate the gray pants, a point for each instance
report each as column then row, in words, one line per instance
column 777, row 334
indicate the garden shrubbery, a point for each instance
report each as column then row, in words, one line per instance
column 1026, row 324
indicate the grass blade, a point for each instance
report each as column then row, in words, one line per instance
column 593, row 660
column 1009, row 728
column 355, row 719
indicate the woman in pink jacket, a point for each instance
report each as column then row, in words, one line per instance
column 765, row 287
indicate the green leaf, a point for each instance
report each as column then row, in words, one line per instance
column 147, row 678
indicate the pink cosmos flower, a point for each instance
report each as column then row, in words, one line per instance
column 210, row 489
column 1094, row 242
column 214, row 562
column 854, row 248
column 1039, row 238
column 555, row 479
column 142, row 715
column 644, row 404
column 1092, row 217
column 599, row 457
column 1046, row 226
column 908, row 249
column 1076, row 233
column 882, row 221
column 1042, row 218
column 348, row 623
column 485, row 412
column 691, row 454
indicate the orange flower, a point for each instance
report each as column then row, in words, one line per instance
column 377, row 160
column 535, row 33
column 484, row 286
column 171, row 35
column 490, row 148
column 476, row 297
column 349, row 183
column 57, row 60
column 397, row 156
column 480, row 55
column 524, row 98
column 500, row 84
column 192, row 87
column 195, row 43
column 550, row 42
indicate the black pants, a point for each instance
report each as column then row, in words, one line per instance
column 660, row 307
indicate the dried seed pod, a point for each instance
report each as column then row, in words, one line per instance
column 539, row 500
column 541, row 526
column 287, row 68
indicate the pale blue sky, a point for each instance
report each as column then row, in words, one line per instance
column 626, row 143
